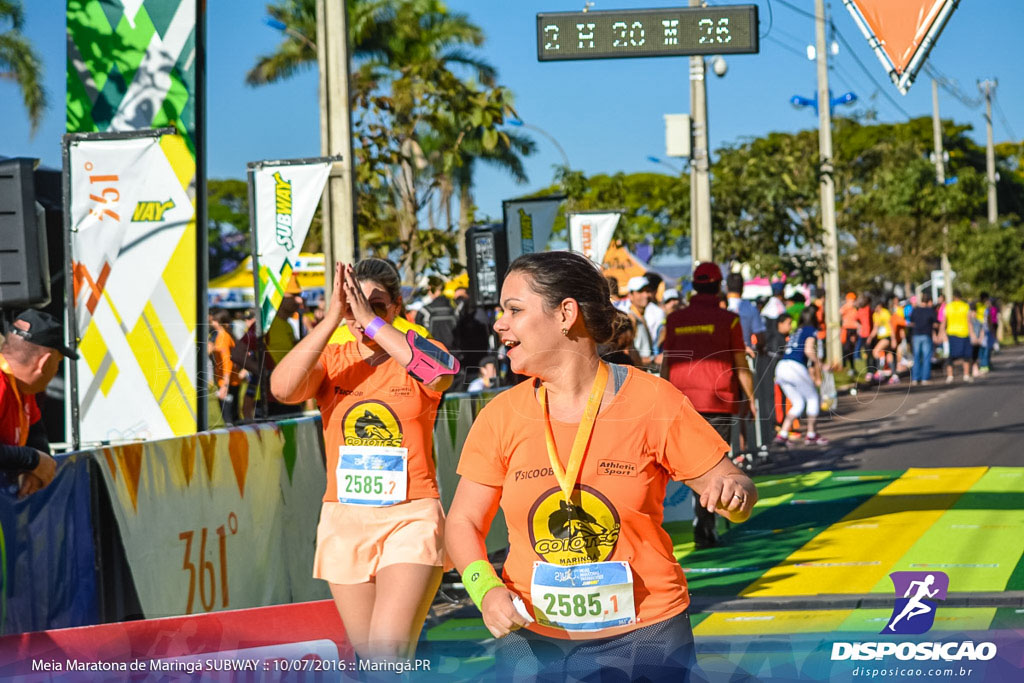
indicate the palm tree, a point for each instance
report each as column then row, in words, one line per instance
column 18, row 62
column 297, row 51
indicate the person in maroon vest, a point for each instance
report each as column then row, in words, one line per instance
column 705, row 359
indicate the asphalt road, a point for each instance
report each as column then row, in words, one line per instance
column 939, row 425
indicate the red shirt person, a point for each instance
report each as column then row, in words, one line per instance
column 705, row 359
column 32, row 352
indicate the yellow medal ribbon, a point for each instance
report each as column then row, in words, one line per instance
column 22, row 434
column 566, row 478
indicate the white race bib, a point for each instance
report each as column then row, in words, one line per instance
column 372, row 475
column 584, row 597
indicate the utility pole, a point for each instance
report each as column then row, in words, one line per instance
column 987, row 87
column 940, row 178
column 340, row 243
column 833, row 347
column 700, row 177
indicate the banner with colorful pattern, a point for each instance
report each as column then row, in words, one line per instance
column 133, row 260
column 132, row 65
column 287, row 194
column 219, row 520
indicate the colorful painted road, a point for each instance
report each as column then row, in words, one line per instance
column 834, row 533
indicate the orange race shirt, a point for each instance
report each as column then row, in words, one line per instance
column 363, row 405
column 649, row 433
column 224, row 371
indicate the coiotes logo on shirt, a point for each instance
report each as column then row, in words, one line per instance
column 584, row 530
column 371, row 423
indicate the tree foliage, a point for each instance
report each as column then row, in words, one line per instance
column 425, row 108
column 20, row 63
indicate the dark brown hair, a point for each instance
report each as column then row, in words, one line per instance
column 382, row 272
column 560, row 275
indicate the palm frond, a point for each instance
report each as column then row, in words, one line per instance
column 19, row 61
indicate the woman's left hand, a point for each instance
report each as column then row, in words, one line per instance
column 727, row 490
column 357, row 301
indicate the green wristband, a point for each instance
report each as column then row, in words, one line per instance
column 479, row 578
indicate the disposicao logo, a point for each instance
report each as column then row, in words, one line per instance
column 912, row 614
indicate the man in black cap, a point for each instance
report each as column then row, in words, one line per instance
column 32, row 351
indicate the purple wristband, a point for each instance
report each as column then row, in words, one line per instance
column 374, row 327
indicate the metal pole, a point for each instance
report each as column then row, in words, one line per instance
column 833, row 348
column 340, row 240
column 940, row 178
column 700, row 179
column 990, row 153
column 262, row 381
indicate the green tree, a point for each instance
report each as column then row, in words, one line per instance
column 655, row 207
column 19, row 62
column 423, row 106
column 228, row 228
column 990, row 258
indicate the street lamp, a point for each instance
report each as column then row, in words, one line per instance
column 657, row 160
column 512, row 121
column 845, row 98
column 284, row 28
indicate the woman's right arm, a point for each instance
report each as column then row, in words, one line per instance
column 299, row 374
column 465, row 529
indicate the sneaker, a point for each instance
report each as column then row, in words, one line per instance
column 869, row 377
column 914, row 382
column 895, row 379
column 923, row 382
column 968, row 378
column 815, row 440
column 949, row 379
column 781, row 441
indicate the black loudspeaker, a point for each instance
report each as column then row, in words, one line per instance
column 24, row 265
column 487, row 252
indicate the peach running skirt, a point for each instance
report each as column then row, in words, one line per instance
column 353, row 542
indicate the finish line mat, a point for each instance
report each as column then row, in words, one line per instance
column 843, row 533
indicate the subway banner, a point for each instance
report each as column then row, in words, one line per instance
column 133, row 65
column 131, row 217
column 286, row 196
column 219, row 520
column 591, row 233
column 528, row 223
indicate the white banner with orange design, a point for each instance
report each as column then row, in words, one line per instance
column 219, row 520
column 591, row 233
column 133, row 263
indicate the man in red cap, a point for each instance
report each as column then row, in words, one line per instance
column 705, row 358
column 32, row 351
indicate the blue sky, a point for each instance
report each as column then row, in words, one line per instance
column 607, row 114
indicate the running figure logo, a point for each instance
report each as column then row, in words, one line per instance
column 914, row 613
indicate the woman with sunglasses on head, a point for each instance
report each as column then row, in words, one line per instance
column 578, row 459
column 381, row 523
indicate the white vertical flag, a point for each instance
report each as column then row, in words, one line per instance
column 286, row 199
column 528, row 224
column 591, row 233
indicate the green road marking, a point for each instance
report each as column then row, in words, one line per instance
column 978, row 541
column 773, row 535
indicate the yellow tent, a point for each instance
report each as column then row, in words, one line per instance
column 308, row 268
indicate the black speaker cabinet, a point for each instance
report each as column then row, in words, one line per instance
column 487, row 252
column 24, row 267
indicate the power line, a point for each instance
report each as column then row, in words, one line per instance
column 951, row 86
column 786, row 46
column 867, row 72
column 1002, row 117
column 796, row 9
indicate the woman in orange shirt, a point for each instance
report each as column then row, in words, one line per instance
column 381, row 523
column 578, row 460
